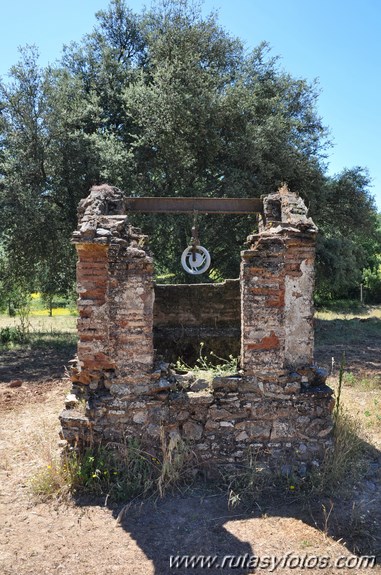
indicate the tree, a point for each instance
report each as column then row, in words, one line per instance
column 37, row 216
column 22, row 166
column 208, row 120
column 372, row 274
column 349, row 235
column 166, row 103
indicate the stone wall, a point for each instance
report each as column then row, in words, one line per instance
column 186, row 315
column 277, row 405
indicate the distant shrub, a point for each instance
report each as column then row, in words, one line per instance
column 372, row 282
column 11, row 335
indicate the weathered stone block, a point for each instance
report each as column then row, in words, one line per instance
column 192, row 430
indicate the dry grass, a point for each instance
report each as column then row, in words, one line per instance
column 363, row 312
column 44, row 324
column 361, row 398
column 38, row 424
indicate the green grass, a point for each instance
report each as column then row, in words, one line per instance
column 348, row 310
column 347, row 330
column 42, row 332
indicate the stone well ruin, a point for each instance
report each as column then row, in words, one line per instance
column 277, row 406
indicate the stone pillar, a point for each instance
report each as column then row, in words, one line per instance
column 277, row 282
column 116, row 293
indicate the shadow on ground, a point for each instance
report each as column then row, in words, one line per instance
column 199, row 523
column 35, row 363
column 202, row 526
column 188, row 526
column 358, row 338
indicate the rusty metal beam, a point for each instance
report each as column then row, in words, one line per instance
column 191, row 205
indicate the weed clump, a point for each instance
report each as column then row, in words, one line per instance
column 344, row 463
column 209, row 366
column 342, row 466
column 117, row 472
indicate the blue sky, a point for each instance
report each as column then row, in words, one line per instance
column 336, row 41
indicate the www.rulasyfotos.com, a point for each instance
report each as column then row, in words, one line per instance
column 271, row 562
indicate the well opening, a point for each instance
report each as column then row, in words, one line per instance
column 195, row 314
column 192, row 318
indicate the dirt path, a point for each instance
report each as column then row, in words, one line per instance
column 49, row 538
column 74, row 538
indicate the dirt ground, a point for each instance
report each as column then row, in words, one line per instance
column 84, row 538
column 358, row 338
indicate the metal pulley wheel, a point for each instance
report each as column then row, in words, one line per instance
column 195, row 260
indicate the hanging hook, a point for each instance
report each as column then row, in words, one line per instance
column 195, row 228
column 195, row 258
column 195, row 242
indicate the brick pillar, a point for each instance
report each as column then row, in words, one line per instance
column 116, row 293
column 277, row 278
column 262, row 301
column 130, row 315
column 92, row 283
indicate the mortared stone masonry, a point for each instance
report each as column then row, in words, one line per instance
column 277, row 406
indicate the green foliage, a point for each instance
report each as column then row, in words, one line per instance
column 372, row 281
column 209, row 366
column 15, row 298
column 12, row 290
column 10, row 335
column 349, row 236
column 36, row 225
column 167, row 103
